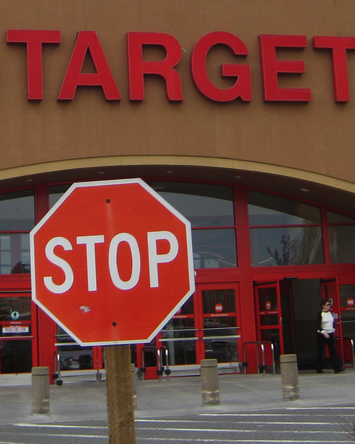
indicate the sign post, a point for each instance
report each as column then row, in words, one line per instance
column 111, row 264
column 119, row 389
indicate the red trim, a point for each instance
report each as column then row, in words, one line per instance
column 240, row 278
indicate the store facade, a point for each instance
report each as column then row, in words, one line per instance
column 242, row 120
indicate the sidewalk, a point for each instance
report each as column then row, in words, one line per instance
column 86, row 400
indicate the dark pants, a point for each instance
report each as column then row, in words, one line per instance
column 321, row 341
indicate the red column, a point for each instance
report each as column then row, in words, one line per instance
column 247, row 303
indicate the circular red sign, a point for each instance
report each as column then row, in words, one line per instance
column 350, row 302
column 218, row 308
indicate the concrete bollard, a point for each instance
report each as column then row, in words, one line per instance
column 210, row 383
column 289, row 377
column 40, row 389
column 133, row 370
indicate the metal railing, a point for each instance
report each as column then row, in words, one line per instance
column 260, row 346
column 348, row 345
column 159, row 360
column 56, row 373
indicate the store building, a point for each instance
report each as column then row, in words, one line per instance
column 240, row 114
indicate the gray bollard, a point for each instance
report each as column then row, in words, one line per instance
column 133, row 370
column 210, row 383
column 289, row 377
column 40, row 389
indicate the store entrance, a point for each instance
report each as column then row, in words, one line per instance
column 16, row 334
column 206, row 326
column 219, row 322
column 286, row 311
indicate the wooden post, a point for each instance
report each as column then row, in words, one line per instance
column 120, row 408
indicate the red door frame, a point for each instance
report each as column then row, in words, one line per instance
column 266, row 312
column 200, row 316
column 329, row 289
column 19, row 323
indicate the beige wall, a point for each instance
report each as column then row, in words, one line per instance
column 315, row 138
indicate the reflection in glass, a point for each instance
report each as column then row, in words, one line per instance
column 268, row 307
column 220, row 328
column 187, row 308
column 342, row 243
column 266, row 209
column 179, row 338
column 17, row 211
column 72, row 355
column 214, row 248
column 75, row 357
column 222, row 350
column 347, row 304
column 16, row 214
column 203, row 205
column 267, row 299
column 16, row 356
column 14, row 253
column 56, row 192
column 336, row 218
column 273, row 336
column 218, row 301
column 15, row 308
column 286, row 246
column 219, row 335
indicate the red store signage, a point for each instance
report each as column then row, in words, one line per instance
column 271, row 66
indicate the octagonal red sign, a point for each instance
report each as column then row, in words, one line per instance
column 111, row 262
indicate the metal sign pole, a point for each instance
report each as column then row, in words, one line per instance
column 119, row 386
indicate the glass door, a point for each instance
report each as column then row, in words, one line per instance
column 219, row 322
column 72, row 356
column 330, row 290
column 207, row 326
column 347, row 311
column 15, row 333
column 179, row 337
column 268, row 315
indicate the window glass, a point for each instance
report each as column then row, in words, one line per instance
column 14, row 253
column 180, row 344
column 15, row 308
column 17, row 211
column 56, row 192
column 203, row 205
column 218, row 301
column 268, row 309
column 15, row 356
column 342, row 243
column 286, row 246
column 72, row 356
column 265, row 209
column 178, row 336
column 272, row 335
column 347, row 302
column 17, row 214
column 214, row 248
column 335, row 218
column 220, row 325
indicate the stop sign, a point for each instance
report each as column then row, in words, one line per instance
column 111, row 262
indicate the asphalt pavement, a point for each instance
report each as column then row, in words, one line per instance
column 84, row 398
